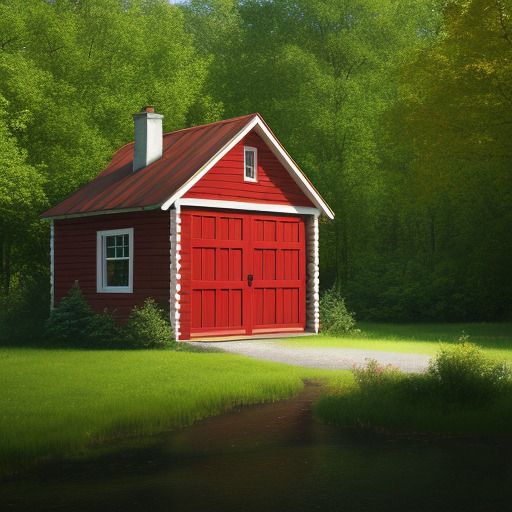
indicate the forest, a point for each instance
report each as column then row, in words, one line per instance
column 399, row 111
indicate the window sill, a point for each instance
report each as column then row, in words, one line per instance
column 115, row 289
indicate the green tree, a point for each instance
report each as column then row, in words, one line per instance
column 21, row 199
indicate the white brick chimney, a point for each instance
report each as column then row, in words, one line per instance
column 148, row 138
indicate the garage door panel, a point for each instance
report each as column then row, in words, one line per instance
column 217, row 308
column 230, row 265
column 225, row 249
column 229, row 228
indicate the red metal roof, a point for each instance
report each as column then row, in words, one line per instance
column 119, row 188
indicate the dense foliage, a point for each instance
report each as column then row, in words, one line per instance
column 74, row 324
column 463, row 391
column 335, row 318
column 147, row 327
column 463, row 374
column 399, row 111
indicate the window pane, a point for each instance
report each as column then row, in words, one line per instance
column 249, row 164
column 126, row 252
column 125, row 240
column 117, row 272
column 119, row 252
column 111, row 241
column 119, row 240
column 111, row 252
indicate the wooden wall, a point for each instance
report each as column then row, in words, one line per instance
column 75, row 259
column 225, row 181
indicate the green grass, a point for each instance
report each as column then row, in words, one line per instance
column 463, row 392
column 495, row 339
column 59, row 402
column 390, row 413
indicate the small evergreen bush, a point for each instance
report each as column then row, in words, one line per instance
column 335, row 318
column 147, row 327
column 73, row 323
column 103, row 332
column 69, row 322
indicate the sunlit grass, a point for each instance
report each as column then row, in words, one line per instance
column 55, row 402
column 495, row 339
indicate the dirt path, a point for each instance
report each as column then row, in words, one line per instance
column 319, row 357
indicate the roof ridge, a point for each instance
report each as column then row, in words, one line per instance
column 222, row 121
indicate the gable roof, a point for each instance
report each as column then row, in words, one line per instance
column 188, row 154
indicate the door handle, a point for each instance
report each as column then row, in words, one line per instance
column 250, row 279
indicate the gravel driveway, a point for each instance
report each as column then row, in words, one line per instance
column 319, row 357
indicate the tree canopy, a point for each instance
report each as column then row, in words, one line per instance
column 399, row 111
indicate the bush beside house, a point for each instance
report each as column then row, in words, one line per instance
column 73, row 323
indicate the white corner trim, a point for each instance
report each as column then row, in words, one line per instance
column 101, row 287
column 313, row 274
column 52, row 265
column 255, row 207
column 175, row 266
column 276, row 148
column 254, row 151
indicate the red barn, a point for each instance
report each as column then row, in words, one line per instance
column 217, row 221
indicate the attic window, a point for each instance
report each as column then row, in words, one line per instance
column 250, row 164
column 114, row 261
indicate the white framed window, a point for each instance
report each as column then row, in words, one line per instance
column 250, row 164
column 114, row 261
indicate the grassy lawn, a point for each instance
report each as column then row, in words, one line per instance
column 59, row 402
column 496, row 339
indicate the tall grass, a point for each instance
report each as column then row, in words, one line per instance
column 463, row 392
column 55, row 402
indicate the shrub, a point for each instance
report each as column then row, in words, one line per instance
column 24, row 311
column 334, row 315
column 69, row 322
column 147, row 327
column 73, row 323
column 464, row 374
column 374, row 375
column 103, row 332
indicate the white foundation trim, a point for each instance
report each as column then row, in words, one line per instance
column 238, row 205
column 52, row 265
column 285, row 159
column 175, row 266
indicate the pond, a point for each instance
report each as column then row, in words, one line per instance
column 275, row 457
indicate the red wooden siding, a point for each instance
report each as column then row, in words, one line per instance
column 225, row 181
column 219, row 250
column 75, row 259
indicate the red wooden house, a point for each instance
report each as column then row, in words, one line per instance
column 217, row 221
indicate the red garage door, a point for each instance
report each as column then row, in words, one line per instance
column 247, row 273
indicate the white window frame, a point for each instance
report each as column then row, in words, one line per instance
column 101, row 261
column 254, row 151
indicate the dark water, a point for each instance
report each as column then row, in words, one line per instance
column 276, row 458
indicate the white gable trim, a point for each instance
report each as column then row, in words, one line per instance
column 206, row 167
column 239, row 205
column 276, row 148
